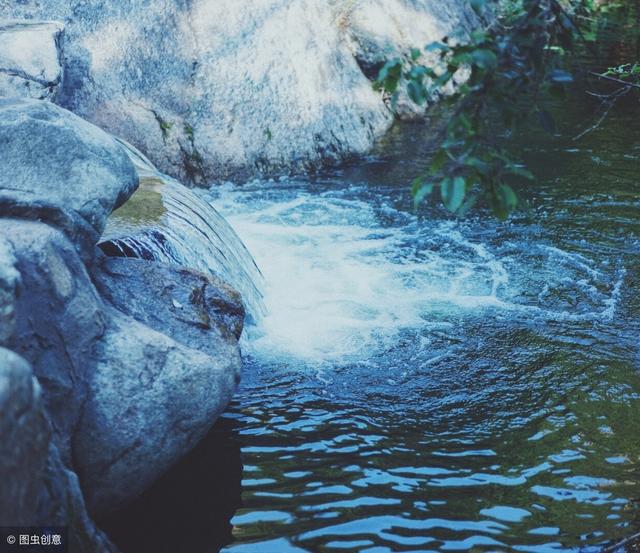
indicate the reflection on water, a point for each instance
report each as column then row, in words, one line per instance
column 422, row 383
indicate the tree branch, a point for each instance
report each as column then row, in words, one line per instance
column 613, row 79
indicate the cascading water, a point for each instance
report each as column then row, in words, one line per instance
column 165, row 221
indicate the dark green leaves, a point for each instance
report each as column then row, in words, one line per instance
column 389, row 76
column 453, row 191
column 420, row 190
column 485, row 59
column 509, row 70
column 417, row 92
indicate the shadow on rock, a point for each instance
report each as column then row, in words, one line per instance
column 189, row 509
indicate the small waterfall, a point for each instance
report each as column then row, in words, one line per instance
column 165, row 221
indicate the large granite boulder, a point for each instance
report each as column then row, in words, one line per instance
column 132, row 384
column 58, row 319
column 165, row 370
column 60, row 169
column 30, row 59
column 213, row 89
column 133, row 372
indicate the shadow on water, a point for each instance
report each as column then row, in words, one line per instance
column 190, row 507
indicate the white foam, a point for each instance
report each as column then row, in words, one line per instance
column 342, row 281
column 338, row 290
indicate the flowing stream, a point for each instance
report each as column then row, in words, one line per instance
column 167, row 222
column 420, row 382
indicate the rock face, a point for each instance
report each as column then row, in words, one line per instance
column 135, row 359
column 24, row 440
column 30, row 64
column 37, row 489
column 58, row 320
column 166, row 369
column 385, row 29
column 91, row 176
column 216, row 89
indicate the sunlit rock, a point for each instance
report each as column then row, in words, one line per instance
column 30, row 59
column 215, row 89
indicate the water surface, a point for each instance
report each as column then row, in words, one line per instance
column 424, row 383
column 421, row 382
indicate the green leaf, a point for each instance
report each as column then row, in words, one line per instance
column 438, row 161
column 422, row 192
column 485, row 59
column 507, row 197
column 453, row 192
column 468, row 204
column 389, row 76
column 417, row 92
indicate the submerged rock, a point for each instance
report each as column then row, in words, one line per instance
column 30, row 64
column 213, row 89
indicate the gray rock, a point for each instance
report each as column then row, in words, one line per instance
column 213, row 89
column 164, row 373
column 386, row 29
column 58, row 320
column 126, row 398
column 30, row 59
column 24, row 441
column 9, row 280
column 61, row 503
column 130, row 384
column 60, row 169
column 37, row 488
column 199, row 311
column 383, row 29
column 152, row 400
